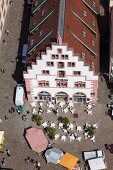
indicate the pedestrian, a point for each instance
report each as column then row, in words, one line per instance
column 3, row 161
column 0, row 120
column 2, row 70
column 28, row 112
column 38, row 166
column 7, row 32
column 26, row 160
column 4, row 41
column 8, row 153
column 24, row 118
column 12, row 109
column 11, row 2
column 6, row 118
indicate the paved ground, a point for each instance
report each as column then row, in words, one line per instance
column 14, row 127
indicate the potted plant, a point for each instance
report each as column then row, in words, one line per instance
column 37, row 119
column 51, row 132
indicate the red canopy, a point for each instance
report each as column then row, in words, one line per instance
column 37, row 140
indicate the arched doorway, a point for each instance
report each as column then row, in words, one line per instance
column 79, row 97
column 61, row 96
column 43, row 96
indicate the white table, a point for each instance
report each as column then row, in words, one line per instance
column 66, row 110
column 52, row 125
column 57, row 136
column 63, row 138
column 61, row 104
column 71, row 104
column 79, row 139
column 60, row 125
column 71, row 126
column 44, row 124
column 48, row 111
column 79, row 128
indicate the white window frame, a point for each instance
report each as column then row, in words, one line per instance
column 84, row 33
column 93, row 43
column 85, row 13
column 83, row 55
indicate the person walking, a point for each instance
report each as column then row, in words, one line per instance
column 3, row 161
column 7, row 32
column 8, row 153
column 6, row 118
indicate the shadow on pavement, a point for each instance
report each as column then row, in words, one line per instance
column 18, row 73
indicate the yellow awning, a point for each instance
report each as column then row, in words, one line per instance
column 68, row 161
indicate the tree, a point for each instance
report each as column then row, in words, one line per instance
column 37, row 119
column 65, row 121
column 91, row 130
column 51, row 132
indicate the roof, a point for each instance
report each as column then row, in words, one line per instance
column 75, row 21
column 68, row 161
column 53, row 155
column 96, row 164
column 36, row 139
column 80, row 32
column 43, row 27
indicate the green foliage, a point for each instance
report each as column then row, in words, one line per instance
column 91, row 130
column 37, row 119
column 65, row 121
column 51, row 132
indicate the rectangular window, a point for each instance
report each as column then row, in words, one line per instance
column 84, row 33
column 76, row 73
column 61, row 83
column 45, row 72
column 59, row 51
column 83, row 55
column 84, row 13
column 40, row 33
column 93, row 22
column 51, row 64
column 94, row 4
column 64, row 57
column 92, row 64
column 71, row 64
column 43, row 83
column 61, row 74
column 60, row 64
column 43, row 12
column 80, row 84
column 93, row 43
column 54, row 56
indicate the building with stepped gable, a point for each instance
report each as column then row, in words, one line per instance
column 63, row 51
